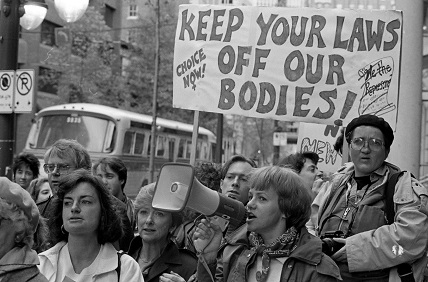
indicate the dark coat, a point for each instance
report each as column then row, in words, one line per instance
column 180, row 261
column 305, row 263
column 128, row 231
column 30, row 274
column 20, row 265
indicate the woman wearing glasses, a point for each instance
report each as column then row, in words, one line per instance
column 84, row 226
column 378, row 234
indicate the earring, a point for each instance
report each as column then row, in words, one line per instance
column 18, row 239
column 63, row 230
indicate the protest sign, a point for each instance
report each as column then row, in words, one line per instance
column 322, row 66
column 320, row 139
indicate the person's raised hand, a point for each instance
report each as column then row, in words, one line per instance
column 207, row 239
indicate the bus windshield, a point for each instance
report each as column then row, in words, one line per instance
column 91, row 132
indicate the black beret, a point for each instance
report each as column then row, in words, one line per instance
column 374, row 121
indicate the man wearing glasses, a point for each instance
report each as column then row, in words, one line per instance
column 353, row 219
column 65, row 156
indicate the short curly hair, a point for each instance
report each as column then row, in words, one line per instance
column 29, row 160
column 297, row 161
column 209, row 174
column 110, row 227
column 16, row 215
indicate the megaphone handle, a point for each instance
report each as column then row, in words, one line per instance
column 201, row 244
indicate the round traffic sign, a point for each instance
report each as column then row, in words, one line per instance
column 5, row 81
column 24, row 83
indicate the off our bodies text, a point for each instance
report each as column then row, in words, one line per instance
column 279, row 63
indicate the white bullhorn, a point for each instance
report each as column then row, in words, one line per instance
column 177, row 188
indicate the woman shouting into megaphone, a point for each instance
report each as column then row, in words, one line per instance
column 274, row 244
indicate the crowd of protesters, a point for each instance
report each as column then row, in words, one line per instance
column 367, row 222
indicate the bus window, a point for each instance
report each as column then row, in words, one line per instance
column 139, row 144
column 198, row 150
column 171, row 149
column 148, row 145
column 188, row 149
column 88, row 131
column 109, row 140
column 204, row 151
column 181, row 148
column 161, row 146
column 127, row 142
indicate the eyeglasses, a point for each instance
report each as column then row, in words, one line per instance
column 60, row 168
column 374, row 144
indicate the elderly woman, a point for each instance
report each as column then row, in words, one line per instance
column 84, row 227
column 19, row 218
column 274, row 244
column 158, row 256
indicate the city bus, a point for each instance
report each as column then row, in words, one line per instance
column 110, row 132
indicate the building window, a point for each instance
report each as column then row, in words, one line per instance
column 108, row 15
column 48, row 33
column 133, row 11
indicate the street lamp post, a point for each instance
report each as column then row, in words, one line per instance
column 11, row 12
column 155, row 95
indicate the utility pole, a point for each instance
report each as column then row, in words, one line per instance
column 408, row 128
column 155, row 99
column 10, row 12
column 276, row 147
column 219, row 140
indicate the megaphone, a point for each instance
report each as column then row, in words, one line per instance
column 177, row 188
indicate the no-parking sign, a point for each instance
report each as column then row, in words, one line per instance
column 7, row 79
column 24, row 91
column 16, row 91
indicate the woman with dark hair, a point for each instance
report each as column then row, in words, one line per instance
column 25, row 168
column 158, row 256
column 84, row 226
column 273, row 244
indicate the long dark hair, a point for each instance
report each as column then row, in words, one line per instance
column 110, row 228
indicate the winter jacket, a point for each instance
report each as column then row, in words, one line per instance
column 375, row 244
column 129, row 269
column 20, row 264
column 180, row 261
column 305, row 263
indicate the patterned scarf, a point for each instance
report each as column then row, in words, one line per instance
column 281, row 247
